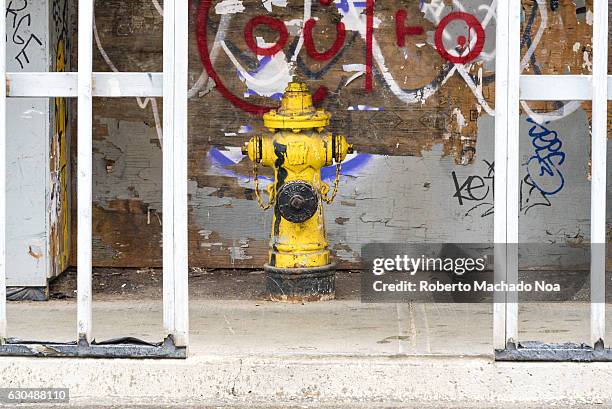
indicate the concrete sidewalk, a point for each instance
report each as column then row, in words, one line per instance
column 343, row 328
column 241, row 380
column 338, row 353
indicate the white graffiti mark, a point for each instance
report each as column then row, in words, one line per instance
column 203, row 80
column 159, row 8
column 262, row 85
column 276, row 73
column 141, row 103
column 460, row 119
column 275, row 67
column 490, row 9
column 300, row 44
column 278, row 3
column 587, row 62
column 429, row 90
column 569, row 107
column 543, row 7
column 433, row 10
column 358, row 69
column 354, row 20
column 229, row 7
column 542, row 118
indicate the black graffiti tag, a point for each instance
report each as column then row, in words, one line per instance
column 20, row 37
column 476, row 188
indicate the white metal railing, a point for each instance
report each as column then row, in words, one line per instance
column 84, row 85
column 104, row 84
column 511, row 87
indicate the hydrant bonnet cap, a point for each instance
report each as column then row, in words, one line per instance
column 296, row 110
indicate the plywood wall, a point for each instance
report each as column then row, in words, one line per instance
column 416, row 97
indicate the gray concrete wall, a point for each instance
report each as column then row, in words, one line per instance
column 27, row 148
column 432, row 199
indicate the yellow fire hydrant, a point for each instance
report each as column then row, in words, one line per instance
column 299, row 266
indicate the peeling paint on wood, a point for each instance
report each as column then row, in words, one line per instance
column 430, row 174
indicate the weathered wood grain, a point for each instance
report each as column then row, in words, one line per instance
column 127, row 203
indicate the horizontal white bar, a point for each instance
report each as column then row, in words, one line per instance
column 559, row 87
column 150, row 84
column 556, row 87
column 64, row 84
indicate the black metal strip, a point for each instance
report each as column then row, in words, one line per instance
column 539, row 351
column 82, row 349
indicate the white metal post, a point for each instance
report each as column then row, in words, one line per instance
column 507, row 78
column 513, row 163
column 181, row 243
column 501, row 149
column 598, row 170
column 84, row 167
column 175, row 239
column 3, row 174
column 168, row 167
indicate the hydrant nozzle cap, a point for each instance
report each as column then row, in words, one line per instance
column 296, row 111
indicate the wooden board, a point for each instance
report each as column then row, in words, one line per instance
column 407, row 122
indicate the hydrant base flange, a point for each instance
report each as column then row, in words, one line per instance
column 301, row 284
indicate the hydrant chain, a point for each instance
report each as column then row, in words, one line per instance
column 258, row 195
column 331, row 198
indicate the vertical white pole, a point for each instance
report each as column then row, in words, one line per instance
column 3, row 173
column 598, row 170
column 168, row 167
column 84, row 167
column 181, row 243
column 512, row 209
column 501, row 149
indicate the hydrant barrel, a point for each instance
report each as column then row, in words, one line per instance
column 299, row 265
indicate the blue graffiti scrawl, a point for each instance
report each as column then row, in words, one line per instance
column 223, row 161
column 543, row 166
column 544, row 177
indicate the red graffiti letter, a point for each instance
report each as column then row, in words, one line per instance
column 369, row 11
column 309, row 42
column 274, row 24
column 202, row 36
column 401, row 30
column 473, row 24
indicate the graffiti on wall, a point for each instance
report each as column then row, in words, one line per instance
column 543, row 166
column 59, row 215
column 20, row 31
column 541, row 180
column 459, row 38
column 272, row 42
column 143, row 103
column 476, row 191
